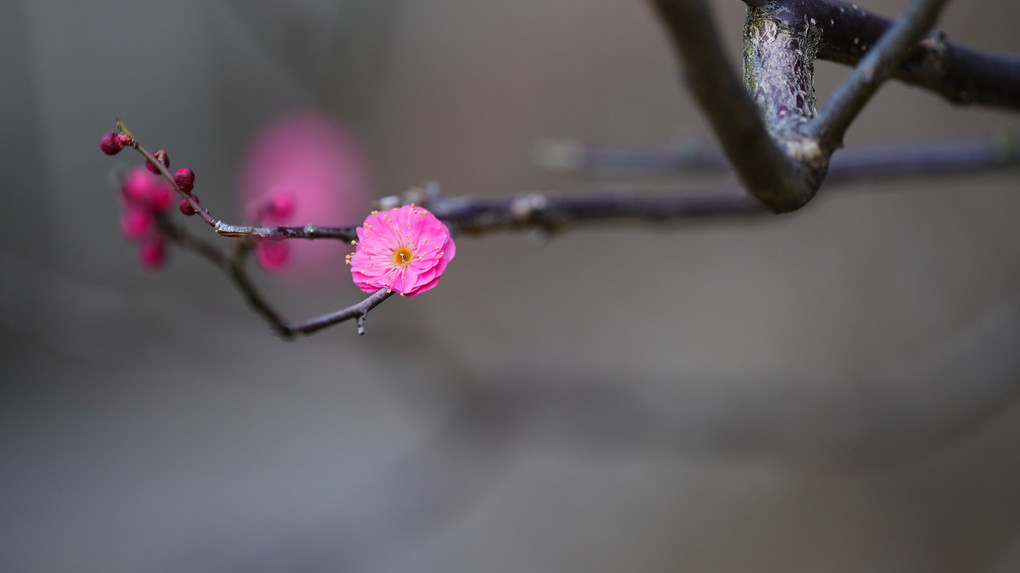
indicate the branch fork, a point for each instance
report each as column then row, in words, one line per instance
column 771, row 128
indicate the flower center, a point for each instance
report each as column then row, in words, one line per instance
column 402, row 256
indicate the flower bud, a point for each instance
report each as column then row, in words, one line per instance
column 186, row 208
column 280, row 207
column 272, row 255
column 162, row 157
column 185, row 179
column 137, row 186
column 110, row 143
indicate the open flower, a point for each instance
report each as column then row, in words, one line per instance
column 404, row 250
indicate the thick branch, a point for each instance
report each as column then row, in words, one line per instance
column 765, row 169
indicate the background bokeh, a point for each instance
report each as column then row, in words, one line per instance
column 833, row 390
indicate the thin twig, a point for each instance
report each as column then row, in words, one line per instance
column 961, row 74
column 233, row 265
column 357, row 311
column 570, row 156
column 551, row 212
column 915, row 159
column 888, row 54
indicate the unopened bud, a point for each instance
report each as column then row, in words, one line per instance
column 185, row 179
column 162, row 157
column 280, row 207
column 110, row 143
column 185, row 206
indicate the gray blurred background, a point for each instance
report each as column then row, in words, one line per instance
column 834, row 390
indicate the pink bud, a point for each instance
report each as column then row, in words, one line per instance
column 137, row 186
column 110, row 143
column 152, row 254
column 186, row 207
column 185, row 179
column 161, row 196
column 124, row 139
column 272, row 255
column 280, row 207
column 136, row 222
column 162, row 157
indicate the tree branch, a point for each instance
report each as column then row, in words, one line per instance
column 879, row 64
column 233, row 265
column 958, row 73
column 915, row 159
column 551, row 212
column 781, row 150
column 767, row 171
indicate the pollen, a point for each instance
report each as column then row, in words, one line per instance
column 403, row 256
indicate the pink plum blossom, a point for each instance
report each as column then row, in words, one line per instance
column 152, row 253
column 136, row 222
column 304, row 169
column 272, row 255
column 404, row 250
column 144, row 190
column 144, row 197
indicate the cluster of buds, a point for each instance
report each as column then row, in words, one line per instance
column 144, row 198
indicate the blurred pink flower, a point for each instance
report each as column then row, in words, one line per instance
column 272, row 255
column 152, row 253
column 404, row 250
column 143, row 190
column 304, row 169
column 145, row 196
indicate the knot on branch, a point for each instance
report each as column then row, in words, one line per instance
column 525, row 206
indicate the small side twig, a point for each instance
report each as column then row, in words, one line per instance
column 357, row 311
column 232, row 263
column 879, row 64
column 960, row 74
